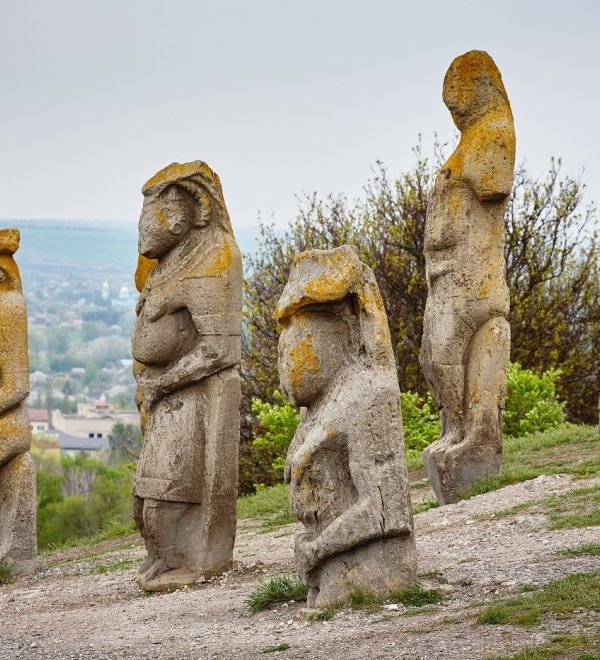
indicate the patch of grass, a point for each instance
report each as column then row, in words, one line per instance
column 574, row 592
column 278, row 589
column 574, row 509
column 567, row 449
column 326, row 614
column 269, row 505
column 414, row 459
column 431, row 503
column 6, row 573
column 111, row 530
column 417, row 611
column 586, row 549
column 273, row 649
column 579, row 647
column 417, row 597
column 364, row 601
column 122, row 565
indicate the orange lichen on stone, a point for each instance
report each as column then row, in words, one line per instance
column 177, row 172
column 9, row 240
column 219, row 261
column 144, row 267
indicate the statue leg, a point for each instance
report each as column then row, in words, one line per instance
column 170, row 566
column 446, row 337
column 480, row 451
column 138, row 517
column 486, row 392
column 18, row 543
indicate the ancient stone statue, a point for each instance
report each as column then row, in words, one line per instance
column 466, row 335
column 187, row 344
column 345, row 465
column 18, row 545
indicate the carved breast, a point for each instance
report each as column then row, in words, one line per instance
column 159, row 338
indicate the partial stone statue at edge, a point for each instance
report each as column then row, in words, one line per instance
column 18, row 544
column 466, row 334
column 345, row 466
column 187, row 346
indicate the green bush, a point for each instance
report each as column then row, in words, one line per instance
column 531, row 403
column 531, row 407
column 81, row 499
column 421, row 420
column 278, row 423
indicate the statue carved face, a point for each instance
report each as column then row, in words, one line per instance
column 472, row 86
column 164, row 222
column 313, row 345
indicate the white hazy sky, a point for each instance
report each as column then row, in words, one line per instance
column 278, row 96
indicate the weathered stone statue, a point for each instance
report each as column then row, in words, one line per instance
column 345, row 465
column 187, row 343
column 18, row 545
column 466, row 335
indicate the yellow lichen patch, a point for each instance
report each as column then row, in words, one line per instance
column 178, row 171
column 144, row 267
column 218, row 262
column 302, row 357
column 9, row 240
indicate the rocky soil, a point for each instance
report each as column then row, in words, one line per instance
column 85, row 603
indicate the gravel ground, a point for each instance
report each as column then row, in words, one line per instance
column 85, row 603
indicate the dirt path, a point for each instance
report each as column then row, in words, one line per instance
column 85, row 603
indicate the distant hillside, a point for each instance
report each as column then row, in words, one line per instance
column 59, row 243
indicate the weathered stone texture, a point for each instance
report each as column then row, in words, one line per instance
column 345, row 465
column 466, row 335
column 18, row 545
column 187, row 345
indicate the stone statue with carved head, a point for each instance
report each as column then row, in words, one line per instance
column 466, row 334
column 18, row 546
column 187, row 345
column 345, row 466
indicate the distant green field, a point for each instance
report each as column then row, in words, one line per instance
column 62, row 243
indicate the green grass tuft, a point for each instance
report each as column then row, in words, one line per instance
column 6, row 573
column 417, row 597
column 574, row 592
column 562, row 645
column 278, row 589
column 273, row 649
column 586, row 549
column 431, row 503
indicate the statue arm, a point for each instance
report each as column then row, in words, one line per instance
column 14, row 389
column 14, row 375
column 217, row 347
column 378, row 511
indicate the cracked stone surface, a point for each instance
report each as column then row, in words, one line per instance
column 466, row 335
column 187, row 345
column 345, row 465
column 18, row 545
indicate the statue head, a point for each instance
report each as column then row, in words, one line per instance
column 472, row 87
column 332, row 316
column 10, row 279
column 179, row 199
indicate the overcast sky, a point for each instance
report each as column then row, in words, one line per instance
column 278, row 96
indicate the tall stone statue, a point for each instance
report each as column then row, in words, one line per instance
column 345, row 465
column 466, row 335
column 18, row 546
column 187, row 345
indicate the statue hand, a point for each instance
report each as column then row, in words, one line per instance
column 306, row 555
column 151, row 391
